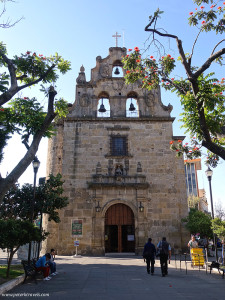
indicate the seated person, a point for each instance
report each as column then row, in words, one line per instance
column 42, row 265
column 51, row 263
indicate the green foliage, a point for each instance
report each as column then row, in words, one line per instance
column 201, row 95
column 193, row 201
column 15, row 233
column 30, row 67
column 61, row 109
column 212, row 17
column 198, row 222
column 26, row 116
column 48, row 199
column 218, row 227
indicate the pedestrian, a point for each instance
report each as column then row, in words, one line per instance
column 149, row 255
column 164, row 250
column 42, row 265
column 52, row 263
column 192, row 243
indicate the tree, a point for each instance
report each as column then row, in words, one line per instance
column 201, row 94
column 16, row 233
column 219, row 211
column 218, row 227
column 48, row 199
column 193, row 201
column 198, row 222
column 15, row 212
column 8, row 23
column 26, row 116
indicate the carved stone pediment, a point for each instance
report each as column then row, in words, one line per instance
column 104, row 70
column 84, row 100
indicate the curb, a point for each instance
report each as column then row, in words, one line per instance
column 5, row 287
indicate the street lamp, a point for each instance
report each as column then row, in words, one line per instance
column 209, row 174
column 36, row 165
column 41, row 182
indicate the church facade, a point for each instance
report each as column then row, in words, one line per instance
column 123, row 182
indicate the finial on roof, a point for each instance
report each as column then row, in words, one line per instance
column 82, row 69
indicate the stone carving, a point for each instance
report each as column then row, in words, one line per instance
column 150, row 100
column 85, row 100
column 118, row 85
column 168, row 108
column 104, row 70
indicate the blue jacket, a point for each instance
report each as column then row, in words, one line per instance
column 41, row 262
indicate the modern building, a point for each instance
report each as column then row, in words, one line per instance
column 191, row 168
column 123, row 182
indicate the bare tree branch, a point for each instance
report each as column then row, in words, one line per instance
column 217, row 46
column 208, row 62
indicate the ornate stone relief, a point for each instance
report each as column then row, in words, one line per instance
column 118, row 85
column 85, row 100
column 104, row 70
column 150, row 100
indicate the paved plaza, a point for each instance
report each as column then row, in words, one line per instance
column 117, row 278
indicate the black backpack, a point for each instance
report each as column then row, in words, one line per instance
column 164, row 248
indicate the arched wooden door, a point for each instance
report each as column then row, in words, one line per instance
column 119, row 229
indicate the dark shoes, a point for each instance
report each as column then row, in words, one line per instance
column 148, row 272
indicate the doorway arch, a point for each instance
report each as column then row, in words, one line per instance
column 119, row 229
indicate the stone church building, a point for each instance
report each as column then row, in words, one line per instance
column 123, row 182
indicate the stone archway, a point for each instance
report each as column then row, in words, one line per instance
column 119, row 229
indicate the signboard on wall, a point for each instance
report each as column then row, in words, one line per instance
column 77, row 227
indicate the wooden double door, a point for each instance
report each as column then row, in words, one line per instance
column 119, row 229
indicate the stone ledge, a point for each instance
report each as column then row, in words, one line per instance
column 5, row 287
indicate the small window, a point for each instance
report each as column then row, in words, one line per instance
column 118, row 146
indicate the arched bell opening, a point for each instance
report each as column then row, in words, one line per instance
column 119, row 229
column 103, row 107
column 132, row 108
column 117, row 70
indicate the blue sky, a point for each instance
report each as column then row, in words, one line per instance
column 82, row 30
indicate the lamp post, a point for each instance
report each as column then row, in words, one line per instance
column 209, row 174
column 41, row 182
column 36, row 165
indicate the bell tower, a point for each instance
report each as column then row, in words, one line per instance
column 123, row 182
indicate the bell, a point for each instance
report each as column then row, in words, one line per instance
column 117, row 72
column 132, row 108
column 102, row 108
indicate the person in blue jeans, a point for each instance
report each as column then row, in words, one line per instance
column 52, row 264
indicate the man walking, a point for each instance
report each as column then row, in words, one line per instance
column 149, row 255
column 164, row 250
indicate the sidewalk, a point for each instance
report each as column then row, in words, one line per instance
column 112, row 278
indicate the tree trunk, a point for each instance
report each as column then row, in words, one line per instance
column 12, row 252
column 11, row 179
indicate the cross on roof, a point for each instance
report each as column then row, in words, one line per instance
column 116, row 36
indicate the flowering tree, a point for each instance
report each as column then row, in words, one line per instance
column 201, row 94
column 26, row 116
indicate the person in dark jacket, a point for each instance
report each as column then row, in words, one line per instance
column 149, row 255
column 164, row 250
